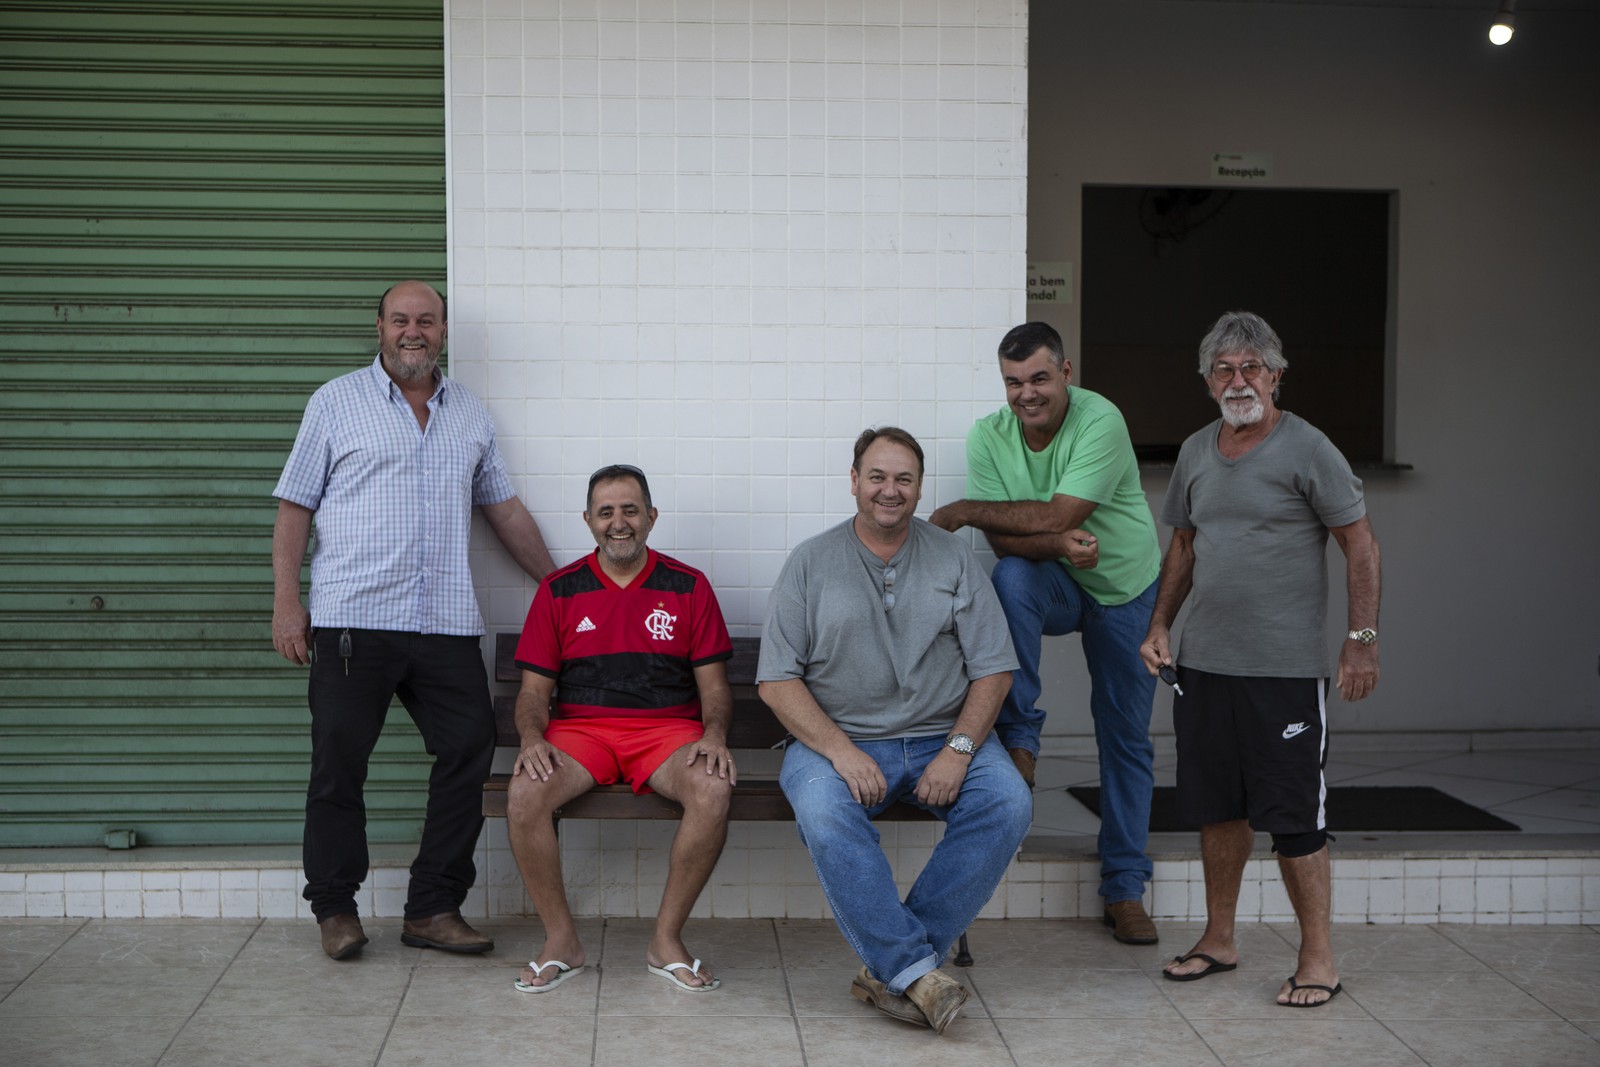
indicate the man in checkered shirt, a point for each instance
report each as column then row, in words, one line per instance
column 389, row 462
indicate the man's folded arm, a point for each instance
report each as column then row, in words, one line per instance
column 1017, row 518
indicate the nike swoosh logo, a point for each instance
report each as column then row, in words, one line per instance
column 1294, row 731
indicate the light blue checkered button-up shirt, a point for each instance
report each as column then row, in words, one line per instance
column 393, row 502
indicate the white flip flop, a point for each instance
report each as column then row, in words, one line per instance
column 563, row 972
column 694, row 969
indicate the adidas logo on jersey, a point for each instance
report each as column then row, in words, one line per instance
column 585, row 626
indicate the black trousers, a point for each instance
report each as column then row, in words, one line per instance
column 441, row 682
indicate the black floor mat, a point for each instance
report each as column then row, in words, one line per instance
column 1352, row 808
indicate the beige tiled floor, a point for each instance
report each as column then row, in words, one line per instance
column 1046, row 992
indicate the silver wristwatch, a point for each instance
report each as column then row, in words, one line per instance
column 1366, row 636
column 961, row 743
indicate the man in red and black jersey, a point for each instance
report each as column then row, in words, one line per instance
column 637, row 644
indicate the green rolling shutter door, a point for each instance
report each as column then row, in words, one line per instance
column 199, row 204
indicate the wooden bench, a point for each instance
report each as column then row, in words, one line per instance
column 755, row 798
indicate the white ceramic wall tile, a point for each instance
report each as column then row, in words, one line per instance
column 1493, row 891
column 1527, row 894
column 389, row 902
column 162, row 903
column 83, row 894
column 1170, row 899
column 1024, row 900
column 1385, row 898
column 200, row 894
column 1422, row 868
column 44, row 882
column 280, row 894
column 1457, row 896
column 123, row 894
column 1386, row 869
column 1591, row 893
column 1422, row 899
column 1349, row 898
column 44, row 894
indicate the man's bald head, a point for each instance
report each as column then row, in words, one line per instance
column 383, row 301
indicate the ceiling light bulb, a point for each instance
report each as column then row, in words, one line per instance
column 1505, row 23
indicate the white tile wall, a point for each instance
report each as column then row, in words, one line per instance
column 718, row 240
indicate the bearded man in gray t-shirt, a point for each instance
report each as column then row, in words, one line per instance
column 1253, row 499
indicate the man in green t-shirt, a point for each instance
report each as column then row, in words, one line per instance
column 1053, row 483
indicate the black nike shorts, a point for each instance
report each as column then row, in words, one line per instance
column 1251, row 748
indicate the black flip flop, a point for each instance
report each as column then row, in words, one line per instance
column 1212, row 967
column 1331, row 990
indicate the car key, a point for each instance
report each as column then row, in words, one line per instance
column 1170, row 676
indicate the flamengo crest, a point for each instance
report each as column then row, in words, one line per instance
column 659, row 623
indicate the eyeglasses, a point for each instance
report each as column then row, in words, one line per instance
column 1223, row 372
column 888, row 589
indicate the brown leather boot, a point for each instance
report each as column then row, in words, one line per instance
column 1129, row 923
column 939, row 997
column 1025, row 762
column 871, row 991
column 342, row 936
column 447, row 931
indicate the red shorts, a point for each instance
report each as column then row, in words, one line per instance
column 622, row 749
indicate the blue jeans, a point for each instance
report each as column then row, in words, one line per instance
column 1040, row 597
column 901, row 942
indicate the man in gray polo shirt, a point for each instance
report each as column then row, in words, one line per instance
column 886, row 654
column 1253, row 499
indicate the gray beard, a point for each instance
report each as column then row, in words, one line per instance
column 409, row 369
column 625, row 554
column 1237, row 417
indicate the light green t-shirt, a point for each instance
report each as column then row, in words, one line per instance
column 1090, row 458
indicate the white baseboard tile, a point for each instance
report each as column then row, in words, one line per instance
column 770, row 876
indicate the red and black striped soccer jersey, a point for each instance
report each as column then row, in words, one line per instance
column 624, row 651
